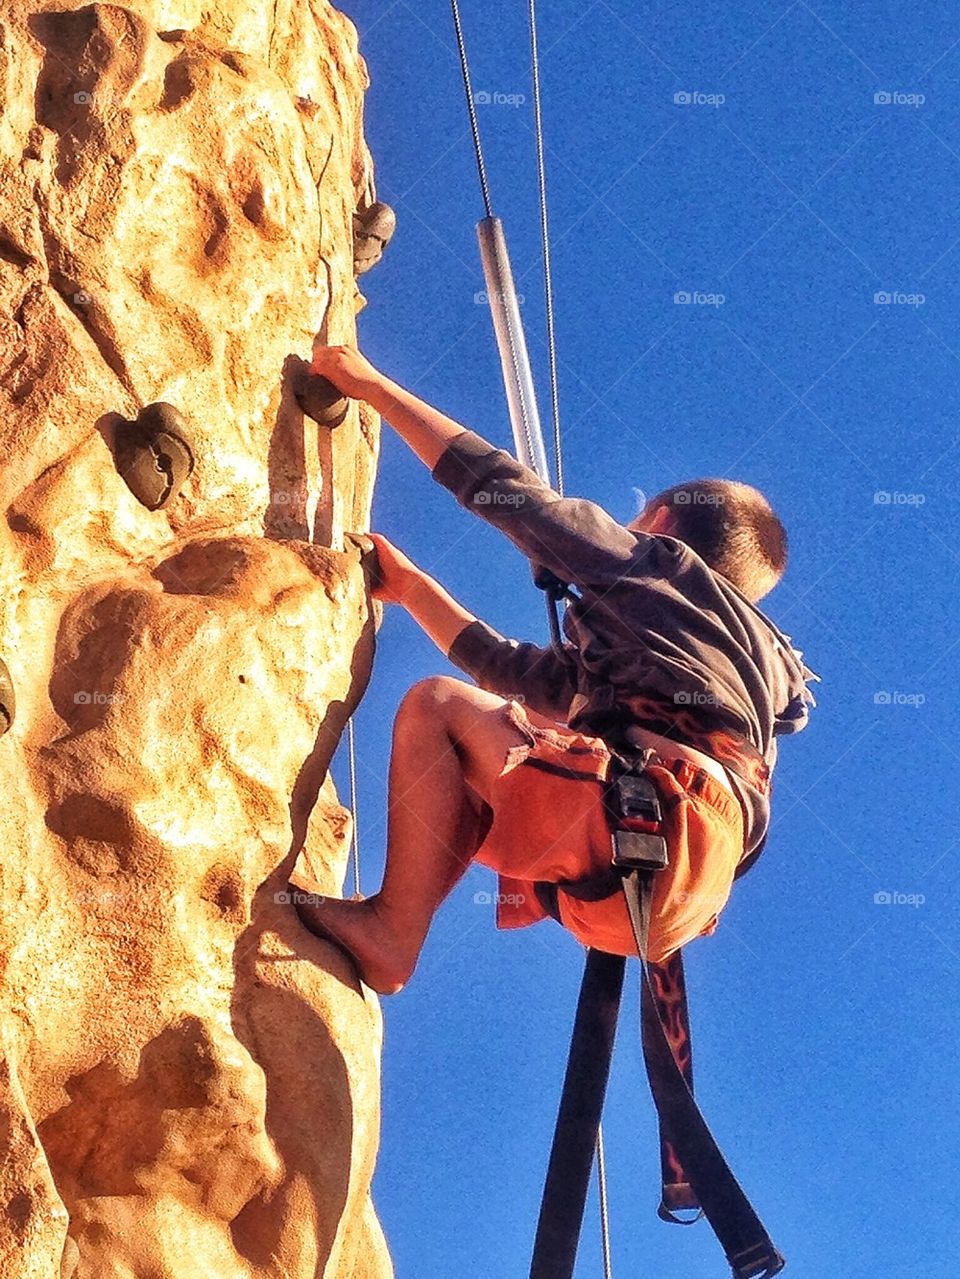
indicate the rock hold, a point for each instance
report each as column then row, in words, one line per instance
column 321, row 400
column 373, row 229
column 367, row 549
column 153, row 454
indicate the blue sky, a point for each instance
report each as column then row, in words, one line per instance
column 824, row 215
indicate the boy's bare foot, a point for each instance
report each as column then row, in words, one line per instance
column 358, row 928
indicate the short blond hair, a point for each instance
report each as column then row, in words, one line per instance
column 732, row 527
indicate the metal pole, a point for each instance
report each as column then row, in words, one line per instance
column 517, row 375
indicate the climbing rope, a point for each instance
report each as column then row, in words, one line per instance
column 352, row 761
column 545, row 246
column 604, row 1206
column 471, row 108
column 502, row 295
column 494, row 250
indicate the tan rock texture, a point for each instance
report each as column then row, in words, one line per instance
column 189, row 1082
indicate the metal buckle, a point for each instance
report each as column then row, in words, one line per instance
column 637, row 822
column 638, row 804
column 635, row 850
column 759, row 1261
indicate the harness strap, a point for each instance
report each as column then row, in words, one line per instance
column 748, row 1247
column 671, row 997
column 695, row 1172
column 578, row 1120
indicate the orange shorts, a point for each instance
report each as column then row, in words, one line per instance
column 549, row 823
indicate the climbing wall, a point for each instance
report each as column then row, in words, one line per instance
column 189, row 1082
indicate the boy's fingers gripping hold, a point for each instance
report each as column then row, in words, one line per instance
column 394, row 570
column 349, row 371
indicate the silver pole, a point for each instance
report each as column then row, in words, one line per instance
column 517, row 376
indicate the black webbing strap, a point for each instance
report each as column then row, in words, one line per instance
column 581, row 1106
column 748, row 1247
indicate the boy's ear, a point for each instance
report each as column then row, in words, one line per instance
column 657, row 520
column 662, row 520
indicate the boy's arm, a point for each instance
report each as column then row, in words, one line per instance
column 433, row 608
column 511, row 669
column 425, row 429
column 534, row 675
column 573, row 538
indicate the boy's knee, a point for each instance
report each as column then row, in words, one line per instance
column 429, row 698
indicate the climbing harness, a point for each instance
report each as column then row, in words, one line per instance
column 153, row 454
column 8, row 699
column 695, row 1173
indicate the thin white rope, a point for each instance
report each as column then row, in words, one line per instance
column 558, row 463
column 545, row 243
column 604, row 1206
column 352, row 757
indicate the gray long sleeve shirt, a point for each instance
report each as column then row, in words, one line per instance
column 653, row 624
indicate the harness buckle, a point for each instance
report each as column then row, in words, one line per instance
column 634, row 805
column 759, row 1261
column 633, row 851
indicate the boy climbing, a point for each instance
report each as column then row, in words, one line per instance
column 666, row 652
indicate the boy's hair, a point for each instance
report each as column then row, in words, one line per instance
column 733, row 528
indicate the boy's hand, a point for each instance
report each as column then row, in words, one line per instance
column 349, row 371
column 397, row 571
column 431, row 607
column 426, row 430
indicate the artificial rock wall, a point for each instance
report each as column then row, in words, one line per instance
column 189, row 1082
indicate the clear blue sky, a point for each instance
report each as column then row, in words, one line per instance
column 823, row 1021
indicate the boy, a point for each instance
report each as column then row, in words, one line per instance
column 666, row 652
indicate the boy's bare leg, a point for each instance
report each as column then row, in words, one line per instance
column 450, row 742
